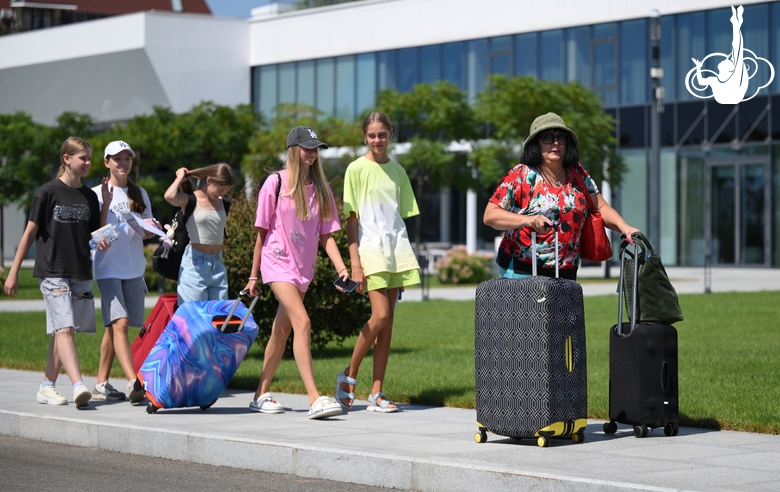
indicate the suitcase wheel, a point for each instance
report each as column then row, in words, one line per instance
column 543, row 441
column 610, row 427
column 480, row 437
column 150, row 408
column 640, row 430
column 671, row 429
column 578, row 437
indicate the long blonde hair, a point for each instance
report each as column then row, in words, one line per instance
column 296, row 179
column 71, row 146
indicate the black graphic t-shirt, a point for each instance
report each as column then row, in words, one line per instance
column 65, row 217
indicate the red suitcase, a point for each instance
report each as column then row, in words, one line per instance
column 155, row 324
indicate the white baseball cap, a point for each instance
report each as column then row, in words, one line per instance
column 116, row 147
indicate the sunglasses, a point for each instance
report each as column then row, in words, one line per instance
column 563, row 138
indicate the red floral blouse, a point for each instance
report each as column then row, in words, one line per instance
column 524, row 191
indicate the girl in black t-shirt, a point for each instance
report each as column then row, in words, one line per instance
column 62, row 215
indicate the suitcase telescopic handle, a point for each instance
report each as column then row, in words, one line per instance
column 534, row 253
column 623, row 252
column 235, row 306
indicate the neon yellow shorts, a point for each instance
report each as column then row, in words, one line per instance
column 387, row 280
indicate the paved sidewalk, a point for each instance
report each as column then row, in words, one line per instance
column 420, row 448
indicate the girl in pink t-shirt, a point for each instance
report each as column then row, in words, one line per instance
column 295, row 212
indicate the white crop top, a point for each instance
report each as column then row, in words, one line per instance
column 206, row 226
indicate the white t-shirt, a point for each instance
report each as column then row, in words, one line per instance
column 125, row 258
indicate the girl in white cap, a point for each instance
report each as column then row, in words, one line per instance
column 120, row 272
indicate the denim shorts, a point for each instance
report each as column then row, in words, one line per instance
column 69, row 303
column 202, row 277
column 122, row 298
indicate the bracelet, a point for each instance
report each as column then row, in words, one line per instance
column 252, row 278
column 343, row 269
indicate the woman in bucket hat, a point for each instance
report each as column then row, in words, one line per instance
column 541, row 193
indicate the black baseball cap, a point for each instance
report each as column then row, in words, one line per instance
column 305, row 137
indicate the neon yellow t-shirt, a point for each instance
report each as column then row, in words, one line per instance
column 381, row 197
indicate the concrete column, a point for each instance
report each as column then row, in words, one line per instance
column 471, row 221
column 445, row 214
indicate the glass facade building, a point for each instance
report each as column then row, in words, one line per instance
column 720, row 166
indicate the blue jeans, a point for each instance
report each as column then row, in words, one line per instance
column 202, row 277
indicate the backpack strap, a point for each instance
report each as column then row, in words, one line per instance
column 278, row 187
column 192, row 201
column 226, row 206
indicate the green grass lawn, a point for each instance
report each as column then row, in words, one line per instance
column 729, row 374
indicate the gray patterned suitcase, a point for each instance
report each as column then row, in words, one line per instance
column 529, row 351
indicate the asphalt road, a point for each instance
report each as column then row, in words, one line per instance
column 27, row 465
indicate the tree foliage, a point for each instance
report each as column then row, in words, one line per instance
column 334, row 315
column 511, row 104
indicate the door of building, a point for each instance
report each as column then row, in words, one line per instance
column 738, row 211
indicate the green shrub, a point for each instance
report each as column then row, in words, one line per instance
column 459, row 267
column 334, row 315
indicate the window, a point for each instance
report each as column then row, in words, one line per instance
column 267, row 101
column 501, row 55
column 287, row 83
column 476, row 70
column 407, row 69
column 430, row 64
column 366, row 82
column 604, row 47
column 668, row 82
column 345, row 87
column 306, row 82
column 755, row 32
column 386, row 70
column 326, row 86
column 775, row 47
column 452, row 63
column 634, row 62
column 578, row 55
column 690, row 44
column 526, row 54
column 551, row 55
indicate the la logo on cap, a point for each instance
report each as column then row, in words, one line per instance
column 311, row 133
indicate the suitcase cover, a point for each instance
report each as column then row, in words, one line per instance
column 192, row 362
column 643, row 375
column 531, row 374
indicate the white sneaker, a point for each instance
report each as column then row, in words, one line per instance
column 81, row 396
column 324, row 407
column 105, row 391
column 48, row 394
column 265, row 403
column 135, row 395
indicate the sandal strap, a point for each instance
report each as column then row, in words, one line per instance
column 343, row 378
column 385, row 401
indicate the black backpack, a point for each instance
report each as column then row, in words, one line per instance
column 167, row 262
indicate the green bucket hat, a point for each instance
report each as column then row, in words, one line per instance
column 546, row 122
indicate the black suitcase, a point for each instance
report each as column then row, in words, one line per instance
column 642, row 369
column 529, row 352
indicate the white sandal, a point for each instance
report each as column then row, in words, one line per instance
column 383, row 407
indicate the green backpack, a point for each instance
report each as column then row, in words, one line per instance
column 657, row 300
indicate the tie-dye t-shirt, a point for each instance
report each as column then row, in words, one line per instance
column 381, row 197
column 290, row 248
column 524, row 191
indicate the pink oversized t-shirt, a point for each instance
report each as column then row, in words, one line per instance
column 290, row 249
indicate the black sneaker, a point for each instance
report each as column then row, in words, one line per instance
column 105, row 391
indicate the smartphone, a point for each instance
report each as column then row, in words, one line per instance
column 349, row 285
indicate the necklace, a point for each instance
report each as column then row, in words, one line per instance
column 555, row 178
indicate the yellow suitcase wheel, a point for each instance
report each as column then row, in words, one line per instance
column 543, row 442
